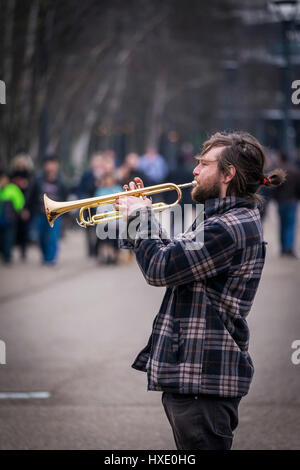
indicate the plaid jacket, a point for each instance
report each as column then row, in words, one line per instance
column 199, row 342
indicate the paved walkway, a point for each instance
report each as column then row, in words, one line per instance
column 74, row 330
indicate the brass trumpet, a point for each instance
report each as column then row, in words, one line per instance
column 54, row 209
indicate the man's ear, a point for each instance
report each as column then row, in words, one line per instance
column 230, row 174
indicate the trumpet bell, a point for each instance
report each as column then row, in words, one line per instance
column 54, row 209
column 50, row 211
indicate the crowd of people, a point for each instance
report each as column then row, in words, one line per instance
column 22, row 215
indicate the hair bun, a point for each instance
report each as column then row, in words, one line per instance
column 275, row 178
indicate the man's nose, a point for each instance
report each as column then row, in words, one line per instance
column 196, row 170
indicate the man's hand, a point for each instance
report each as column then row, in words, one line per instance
column 130, row 204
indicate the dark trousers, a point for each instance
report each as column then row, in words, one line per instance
column 7, row 238
column 201, row 422
column 22, row 229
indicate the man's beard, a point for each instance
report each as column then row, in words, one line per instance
column 200, row 194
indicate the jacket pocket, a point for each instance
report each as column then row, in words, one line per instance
column 176, row 350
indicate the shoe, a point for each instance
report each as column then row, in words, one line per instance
column 49, row 263
column 290, row 254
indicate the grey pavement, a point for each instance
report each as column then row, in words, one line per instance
column 73, row 330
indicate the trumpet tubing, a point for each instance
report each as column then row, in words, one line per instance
column 54, row 209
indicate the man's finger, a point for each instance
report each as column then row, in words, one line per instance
column 132, row 185
column 139, row 182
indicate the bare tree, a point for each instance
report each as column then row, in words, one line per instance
column 26, row 80
column 74, row 68
column 5, row 140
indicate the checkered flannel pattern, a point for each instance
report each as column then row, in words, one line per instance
column 200, row 337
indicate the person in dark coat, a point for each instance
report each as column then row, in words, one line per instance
column 11, row 203
column 287, row 196
column 47, row 182
column 21, row 175
column 86, row 189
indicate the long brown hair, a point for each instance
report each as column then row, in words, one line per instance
column 246, row 154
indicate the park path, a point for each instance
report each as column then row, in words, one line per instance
column 74, row 330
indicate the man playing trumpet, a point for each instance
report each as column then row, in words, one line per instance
column 197, row 354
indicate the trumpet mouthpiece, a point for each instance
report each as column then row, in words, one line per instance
column 187, row 185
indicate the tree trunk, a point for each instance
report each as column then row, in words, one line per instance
column 80, row 148
column 117, row 94
column 27, row 76
column 81, row 144
column 157, row 110
column 6, row 134
column 40, row 138
column 160, row 91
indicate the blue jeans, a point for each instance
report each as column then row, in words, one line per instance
column 48, row 238
column 288, row 217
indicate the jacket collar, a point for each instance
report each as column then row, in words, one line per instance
column 222, row 205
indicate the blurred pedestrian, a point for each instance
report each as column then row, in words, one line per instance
column 107, row 249
column 110, row 160
column 11, row 203
column 287, row 197
column 265, row 193
column 130, row 169
column 49, row 182
column 153, row 165
column 86, row 188
column 21, row 175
